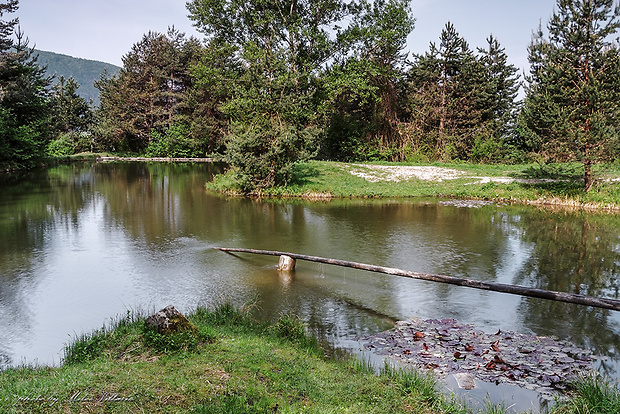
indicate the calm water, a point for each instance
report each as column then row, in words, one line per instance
column 81, row 244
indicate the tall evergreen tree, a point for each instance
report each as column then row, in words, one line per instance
column 447, row 85
column 148, row 95
column 23, row 96
column 573, row 97
column 70, row 121
column 499, row 101
column 70, row 112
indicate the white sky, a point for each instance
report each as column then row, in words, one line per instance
column 105, row 30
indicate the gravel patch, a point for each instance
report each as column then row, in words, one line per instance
column 395, row 173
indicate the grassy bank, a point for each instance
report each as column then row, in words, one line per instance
column 231, row 364
column 533, row 184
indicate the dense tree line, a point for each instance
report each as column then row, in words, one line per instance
column 34, row 118
column 275, row 82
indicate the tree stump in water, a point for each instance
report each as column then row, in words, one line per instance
column 286, row 263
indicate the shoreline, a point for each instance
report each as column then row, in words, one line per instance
column 513, row 184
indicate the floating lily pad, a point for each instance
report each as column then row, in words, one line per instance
column 446, row 347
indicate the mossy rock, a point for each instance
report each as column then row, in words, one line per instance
column 170, row 321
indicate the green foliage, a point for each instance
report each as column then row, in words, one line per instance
column 264, row 157
column 23, row 102
column 61, row 146
column 149, row 94
column 175, row 142
column 461, row 105
column 361, row 90
column 20, row 145
column 572, row 106
column 213, row 75
column 69, row 112
column 278, row 51
column 485, row 149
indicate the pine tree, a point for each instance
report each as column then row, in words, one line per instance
column 70, row 112
column 23, row 97
column 446, row 87
column 148, row 96
column 498, row 101
column 573, row 96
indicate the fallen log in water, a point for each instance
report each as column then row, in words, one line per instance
column 605, row 303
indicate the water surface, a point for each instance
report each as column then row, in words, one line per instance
column 83, row 243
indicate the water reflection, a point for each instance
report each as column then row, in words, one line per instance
column 83, row 243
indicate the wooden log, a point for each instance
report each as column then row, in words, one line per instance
column 604, row 303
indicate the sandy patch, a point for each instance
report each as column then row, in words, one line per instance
column 396, row 173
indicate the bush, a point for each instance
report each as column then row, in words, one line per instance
column 175, row 142
column 264, row 156
column 485, row 149
column 61, row 147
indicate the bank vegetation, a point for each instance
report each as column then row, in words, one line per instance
column 232, row 364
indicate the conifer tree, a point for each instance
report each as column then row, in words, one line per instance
column 148, row 96
column 572, row 103
column 70, row 112
column 498, row 102
column 23, row 96
column 446, row 88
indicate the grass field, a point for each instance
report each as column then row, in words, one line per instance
column 531, row 184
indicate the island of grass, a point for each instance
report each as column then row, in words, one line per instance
column 537, row 184
column 232, row 364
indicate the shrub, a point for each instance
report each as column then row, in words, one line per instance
column 61, row 146
column 175, row 142
column 264, row 156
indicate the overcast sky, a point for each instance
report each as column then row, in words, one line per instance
column 105, row 30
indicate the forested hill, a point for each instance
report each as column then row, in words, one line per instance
column 84, row 71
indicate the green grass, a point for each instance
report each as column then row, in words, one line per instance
column 552, row 184
column 592, row 395
column 233, row 365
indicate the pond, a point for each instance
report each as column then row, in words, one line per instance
column 81, row 244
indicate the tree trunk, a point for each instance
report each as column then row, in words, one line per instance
column 588, row 181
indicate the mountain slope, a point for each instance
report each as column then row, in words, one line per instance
column 84, row 71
